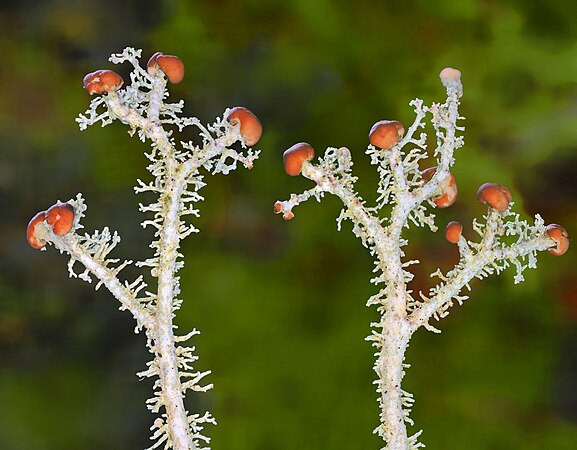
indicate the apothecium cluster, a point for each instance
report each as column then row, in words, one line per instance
column 409, row 191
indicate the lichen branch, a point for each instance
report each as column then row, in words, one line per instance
column 176, row 181
column 411, row 191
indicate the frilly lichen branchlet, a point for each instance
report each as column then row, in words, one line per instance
column 411, row 192
column 176, row 179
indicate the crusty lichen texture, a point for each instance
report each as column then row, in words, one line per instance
column 411, row 192
column 177, row 177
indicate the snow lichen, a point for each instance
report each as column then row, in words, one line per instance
column 176, row 169
column 410, row 193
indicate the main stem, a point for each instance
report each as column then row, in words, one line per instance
column 165, row 343
column 395, row 334
column 169, row 241
column 389, row 368
column 395, row 331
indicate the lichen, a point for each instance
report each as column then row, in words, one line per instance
column 177, row 177
column 405, row 198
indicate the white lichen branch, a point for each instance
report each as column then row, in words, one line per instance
column 401, row 184
column 176, row 181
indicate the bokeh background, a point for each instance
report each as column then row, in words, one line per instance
column 281, row 305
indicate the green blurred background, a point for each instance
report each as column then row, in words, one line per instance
column 281, row 305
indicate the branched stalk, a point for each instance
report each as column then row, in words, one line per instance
column 108, row 277
column 177, row 179
column 412, row 191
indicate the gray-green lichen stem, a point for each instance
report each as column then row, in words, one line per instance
column 402, row 186
column 395, row 333
column 156, row 95
column 474, row 264
column 165, row 343
column 169, row 242
column 107, row 276
column 389, row 368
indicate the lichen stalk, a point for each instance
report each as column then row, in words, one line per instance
column 394, row 340
column 169, row 243
column 401, row 185
column 176, row 181
column 165, row 348
column 395, row 331
column 106, row 275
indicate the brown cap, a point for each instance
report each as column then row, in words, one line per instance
column 497, row 196
column 294, row 157
column 250, row 126
column 386, row 133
